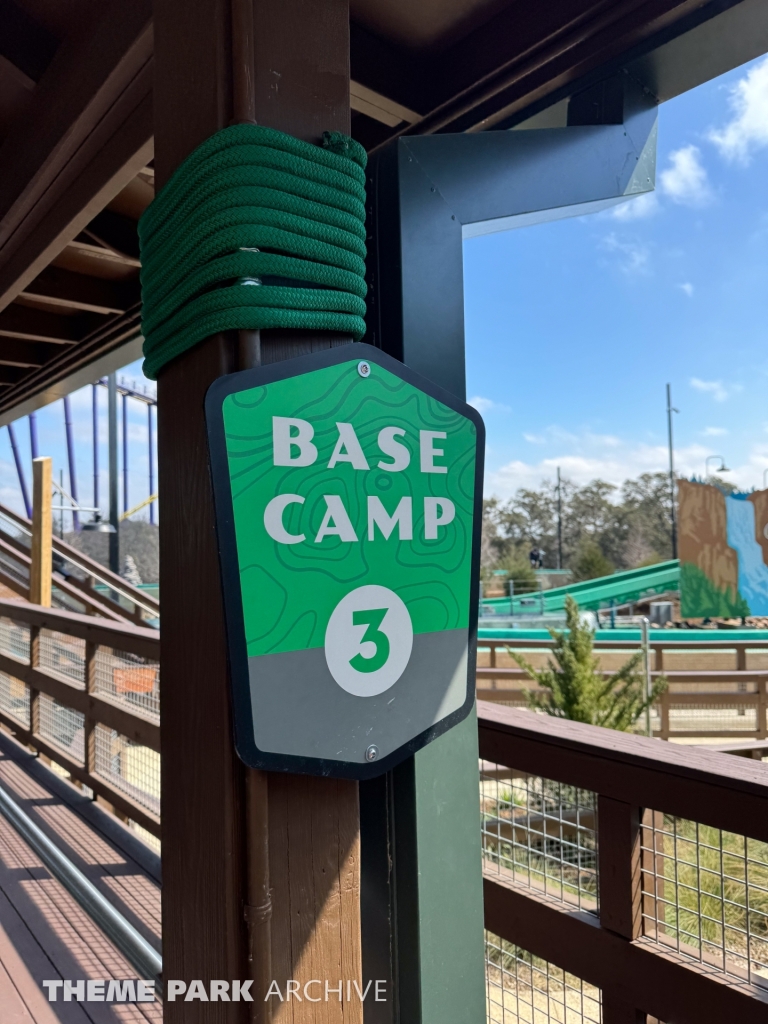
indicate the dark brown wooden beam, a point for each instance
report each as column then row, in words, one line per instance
column 521, row 57
column 115, row 231
column 25, row 354
column 79, row 291
column 11, row 374
column 123, row 636
column 313, row 822
column 17, row 321
column 74, row 361
column 725, row 792
column 394, row 71
column 24, row 42
column 86, row 132
column 642, row 976
column 525, row 53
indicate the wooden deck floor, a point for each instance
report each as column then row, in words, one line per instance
column 43, row 932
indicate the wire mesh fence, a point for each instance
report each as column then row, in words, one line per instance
column 14, row 638
column 713, row 718
column 705, row 893
column 62, row 654
column 14, row 698
column 62, row 726
column 524, row 989
column 128, row 679
column 129, row 767
column 541, row 833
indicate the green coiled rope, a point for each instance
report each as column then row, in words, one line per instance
column 255, row 229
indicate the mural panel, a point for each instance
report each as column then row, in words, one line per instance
column 723, row 546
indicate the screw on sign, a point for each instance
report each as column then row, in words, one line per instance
column 348, row 498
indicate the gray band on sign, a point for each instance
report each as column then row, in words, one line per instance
column 336, row 725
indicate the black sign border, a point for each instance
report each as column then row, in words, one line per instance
column 242, row 710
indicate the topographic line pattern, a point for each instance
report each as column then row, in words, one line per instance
column 289, row 591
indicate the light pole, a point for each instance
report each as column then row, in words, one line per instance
column 559, row 520
column 670, row 410
column 764, row 483
column 722, row 468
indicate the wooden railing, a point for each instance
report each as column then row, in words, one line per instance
column 84, row 692
column 75, row 582
column 741, row 690
column 632, row 941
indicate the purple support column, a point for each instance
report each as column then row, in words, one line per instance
column 151, row 466
column 125, row 453
column 95, row 417
column 33, row 434
column 71, row 460
column 20, row 471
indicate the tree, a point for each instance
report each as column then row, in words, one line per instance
column 590, row 562
column 574, row 687
column 630, row 525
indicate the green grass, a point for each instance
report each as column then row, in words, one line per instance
column 717, row 885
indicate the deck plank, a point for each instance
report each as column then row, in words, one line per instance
column 44, row 934
column 108, row 859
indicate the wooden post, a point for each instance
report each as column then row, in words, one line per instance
column 762, row 709
column 42, row 533
column 620, row 881
column 619, row 867
column 615, row 1010
column 41, row 566
column 300, row 82
column 665, row 715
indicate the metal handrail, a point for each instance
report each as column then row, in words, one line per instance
column 134, row 947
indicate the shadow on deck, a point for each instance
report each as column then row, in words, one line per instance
column 44, row 934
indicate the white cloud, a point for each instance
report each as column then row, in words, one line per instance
column 686, row 287
column 633, row 257
column 714, row 432
column 685, row 181
column 719, row 391
column 643, row 205
column 535, row 438
column 484, row 405
column 619, row 463
column 748, row 128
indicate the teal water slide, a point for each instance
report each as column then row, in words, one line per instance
column 620, row 588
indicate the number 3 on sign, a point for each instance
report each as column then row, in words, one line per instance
column 368, row 641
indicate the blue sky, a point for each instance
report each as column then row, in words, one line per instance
column 51, row 441
column 575, row 327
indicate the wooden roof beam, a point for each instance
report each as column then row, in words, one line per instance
column 25, row 354
column 379, row 107
column 64, row 288
column 116, row 232
column 10, row 375
column 86, row 134
column 98, row 252
column 27, row 45
column 39, row 325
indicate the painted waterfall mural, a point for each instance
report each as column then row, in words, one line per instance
column 723, row 545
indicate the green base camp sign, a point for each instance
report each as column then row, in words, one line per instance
column 348, row 496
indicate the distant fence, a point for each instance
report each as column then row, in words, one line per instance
column 717, row 687
column 85, row 692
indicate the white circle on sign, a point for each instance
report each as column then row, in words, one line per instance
column 368, row 640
